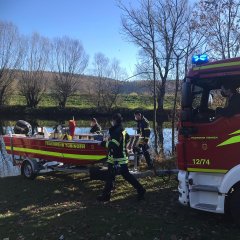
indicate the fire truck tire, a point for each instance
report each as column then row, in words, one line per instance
column 235, row 206
column 28, row 169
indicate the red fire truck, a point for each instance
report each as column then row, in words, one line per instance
column 208, row 148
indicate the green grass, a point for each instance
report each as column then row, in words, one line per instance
column 81, row 101
column 84, row 101
column 64, row 204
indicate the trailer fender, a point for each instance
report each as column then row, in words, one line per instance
column 33, row 163
column 230, row 179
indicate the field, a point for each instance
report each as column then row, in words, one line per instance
column 58, row 204
column 84, row 101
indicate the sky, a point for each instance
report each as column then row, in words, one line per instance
column 97, row 23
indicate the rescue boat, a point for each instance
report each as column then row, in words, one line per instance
column 74, row 152
column 43, row 150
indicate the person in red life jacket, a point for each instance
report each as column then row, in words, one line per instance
column 233, row 102
column 143, row 129
column 95, row 127
column 118, row 160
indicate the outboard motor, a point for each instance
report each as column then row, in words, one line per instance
column 23, row 127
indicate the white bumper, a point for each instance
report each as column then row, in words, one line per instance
column 183, row 187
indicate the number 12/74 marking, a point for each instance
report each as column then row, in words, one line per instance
column 202, row 161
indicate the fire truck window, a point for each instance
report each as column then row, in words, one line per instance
column 216, row 99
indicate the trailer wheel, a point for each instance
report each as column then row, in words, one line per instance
column 234, row 204
column 28, row 171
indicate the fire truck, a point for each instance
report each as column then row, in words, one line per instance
column 208, row 148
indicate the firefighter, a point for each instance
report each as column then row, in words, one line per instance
column 95, row 127
column 117, row 160
column 233, row 100
column 143, row 129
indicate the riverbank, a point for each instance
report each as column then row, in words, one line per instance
column 131, row 101
column 55, row 113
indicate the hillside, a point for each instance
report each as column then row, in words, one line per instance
column 87, row 82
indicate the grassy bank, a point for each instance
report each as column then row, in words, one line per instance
column 51, row 206
column 84, row 101
column 81, row 107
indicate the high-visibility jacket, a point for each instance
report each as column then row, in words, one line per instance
column 116, row 145
column 143, row 129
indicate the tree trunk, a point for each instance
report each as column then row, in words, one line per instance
column 174, row 106
column 160, row 119
column 3, row 95
column 160, row 137
column 62, row 102
column 154, row 102
column 1, row 128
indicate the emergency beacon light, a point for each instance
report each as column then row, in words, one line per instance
column 200, row 59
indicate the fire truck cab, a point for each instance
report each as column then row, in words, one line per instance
column 208, row 148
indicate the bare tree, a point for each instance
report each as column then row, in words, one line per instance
column 188, row 41
column 219, row 21
column 154, row 27
column 109, row 77
column 68, row 60
column 32, row 82
column 10, row 58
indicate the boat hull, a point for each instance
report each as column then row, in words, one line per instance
column 75, row 152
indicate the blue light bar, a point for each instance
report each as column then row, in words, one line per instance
column 200, row 59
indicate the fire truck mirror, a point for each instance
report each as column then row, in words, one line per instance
column 186, row 115
column 210, row 100
column 186, row 95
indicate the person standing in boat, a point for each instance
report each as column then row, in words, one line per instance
column 143, row 129
column 95, row 127
column 117, row 159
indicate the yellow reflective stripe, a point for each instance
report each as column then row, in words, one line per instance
column 147, row 129
column 236, row 132
column 57, row 154
column 119, row 162
column 207, row 170
column 123, row 162
column 110, row 159
column 116, row 142
column 232, row 140
column 229, row 64
column 124, row 144
column 119, row 159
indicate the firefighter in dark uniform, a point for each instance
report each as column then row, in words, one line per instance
column 233, row 100
column 143, row 129
column 118, row 160
column 95, row 127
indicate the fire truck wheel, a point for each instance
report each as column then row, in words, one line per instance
column 27, row 170
column 235, row 206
